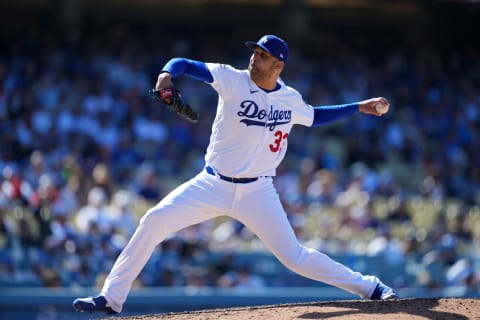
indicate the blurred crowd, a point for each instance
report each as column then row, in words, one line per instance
column 85, row 151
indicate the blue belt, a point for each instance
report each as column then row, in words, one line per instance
column 229, row 179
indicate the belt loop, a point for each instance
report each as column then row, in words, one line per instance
column 210, row 170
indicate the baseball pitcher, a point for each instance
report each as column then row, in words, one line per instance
column 255, row 113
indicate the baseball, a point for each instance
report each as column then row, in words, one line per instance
column 381, row 108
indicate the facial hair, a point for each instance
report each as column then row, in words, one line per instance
column 259, row 75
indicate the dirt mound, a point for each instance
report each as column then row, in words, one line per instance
column 433, row 308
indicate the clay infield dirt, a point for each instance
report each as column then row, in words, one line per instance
column 432, row 308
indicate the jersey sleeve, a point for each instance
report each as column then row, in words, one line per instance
column 303, row 113
column 224, row 76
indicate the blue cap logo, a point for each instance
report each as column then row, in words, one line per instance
column 273, row 45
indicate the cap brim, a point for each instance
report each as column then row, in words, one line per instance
column 252, row 44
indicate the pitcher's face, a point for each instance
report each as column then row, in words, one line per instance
column 263, row 66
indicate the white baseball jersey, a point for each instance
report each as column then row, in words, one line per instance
column 249, row 139
column 250, row 131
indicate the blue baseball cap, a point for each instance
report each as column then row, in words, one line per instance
column 273, row 45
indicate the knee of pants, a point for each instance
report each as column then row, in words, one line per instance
column 153, row 222
column 163, row 221
column 148, row 218
column 148, row 234
column 292, row 258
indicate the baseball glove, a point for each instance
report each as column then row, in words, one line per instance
column 172, row 97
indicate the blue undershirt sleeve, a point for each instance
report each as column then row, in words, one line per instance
column 327, row 114
column 191, row 68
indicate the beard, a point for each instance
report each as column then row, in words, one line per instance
column 256, row 74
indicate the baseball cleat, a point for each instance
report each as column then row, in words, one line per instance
column 383, row 292
column 93, row 304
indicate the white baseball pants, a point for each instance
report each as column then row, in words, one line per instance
column 254, row 204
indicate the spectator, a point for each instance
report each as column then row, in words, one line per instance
column 95, row 215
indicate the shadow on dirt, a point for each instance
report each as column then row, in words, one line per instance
column 414, row 307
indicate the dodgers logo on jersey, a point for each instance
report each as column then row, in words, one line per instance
column 254, row 116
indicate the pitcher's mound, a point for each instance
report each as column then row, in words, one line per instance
column 433, row 308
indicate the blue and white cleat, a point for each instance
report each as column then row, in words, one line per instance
column 383, row 292
column 93, row 304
